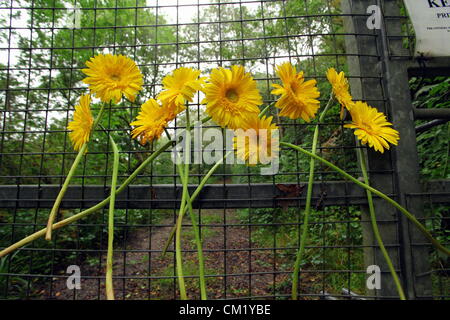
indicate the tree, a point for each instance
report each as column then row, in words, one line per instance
column 49, row 68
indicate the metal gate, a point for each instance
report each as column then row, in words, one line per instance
column 250, row 224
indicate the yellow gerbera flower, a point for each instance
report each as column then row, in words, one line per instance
column 111, row 76
column 181, row 87
column 372, row 127
column 81, row 125
column 257, row 141
column 298, row 97
column 231, row 97
column 171, row 110
column 340, row 89
column 151, row 121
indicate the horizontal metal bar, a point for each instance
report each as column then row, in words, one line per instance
column 433, row 113
column 435, row 191
column 429, row 72
column 429, row 125
column 429, row 67
column 166, row 196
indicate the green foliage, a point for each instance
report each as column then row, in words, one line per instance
column 337, row 229
column 55, row 76
column 15, row 285
column 167, row 280
column 434, row 150
column 35, row 144
column 439, row 223
column 433, row 145
column 65, row 51
column 87, row 234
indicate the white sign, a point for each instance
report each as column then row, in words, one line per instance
column 431, row 21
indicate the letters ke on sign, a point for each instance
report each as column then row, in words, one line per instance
column 431, row 21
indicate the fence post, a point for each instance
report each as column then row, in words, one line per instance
column 383, row 82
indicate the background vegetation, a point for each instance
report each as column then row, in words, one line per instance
column 42, row 83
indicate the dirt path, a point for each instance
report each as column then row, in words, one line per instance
column 145, row 274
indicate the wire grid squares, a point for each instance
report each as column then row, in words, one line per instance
column 249, row 249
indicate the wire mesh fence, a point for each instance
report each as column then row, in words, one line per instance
column 250, row 224
column 436, row 218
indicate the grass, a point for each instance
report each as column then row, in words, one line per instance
column 209, row 219
column 164, row 286
column 441, row 284
column 328, row 231
column 16, row 285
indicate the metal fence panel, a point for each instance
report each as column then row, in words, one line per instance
column 250, row 223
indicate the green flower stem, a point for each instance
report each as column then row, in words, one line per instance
column 189, row 201
column 88, row 211
column 171, row 235
column 304, row 235
column 178, row 254
column 62, row 192
column 373, row 221
column 409, row 215
column 201, row 263
column 264, row 111
column 92, row 209
column 194, row 196
column 112, row 201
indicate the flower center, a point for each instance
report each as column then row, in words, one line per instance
column 294, row 87
column 115, row 77
column 367, row 127
column 232, row 95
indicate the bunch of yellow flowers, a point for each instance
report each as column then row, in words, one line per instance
column 232, row 100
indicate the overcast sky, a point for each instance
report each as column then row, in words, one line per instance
column 187, row 12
